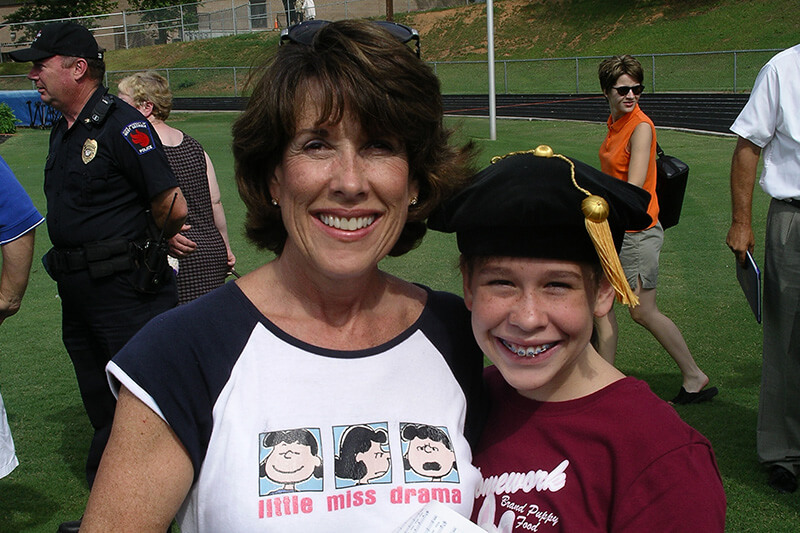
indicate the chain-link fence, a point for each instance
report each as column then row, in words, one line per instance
column 723, row 71
column 727, row 71
column 213, row 18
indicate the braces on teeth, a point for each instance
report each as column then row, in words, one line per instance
column 527, row 352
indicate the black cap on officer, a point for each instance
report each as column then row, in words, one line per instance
column 60, row 38
column 546, row 205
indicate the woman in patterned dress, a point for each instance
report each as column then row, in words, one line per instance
column 202, row 247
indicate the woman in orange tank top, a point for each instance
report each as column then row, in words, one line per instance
column 629, row 153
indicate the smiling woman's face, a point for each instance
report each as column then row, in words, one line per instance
column 343, row 195
column 621, row 105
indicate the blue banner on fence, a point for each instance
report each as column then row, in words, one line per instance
column 29, row 108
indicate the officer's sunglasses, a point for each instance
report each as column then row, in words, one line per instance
column 623, row 90
column 303, row 32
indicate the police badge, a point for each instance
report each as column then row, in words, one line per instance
column 89, row 151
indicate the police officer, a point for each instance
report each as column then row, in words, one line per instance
column 111, row 201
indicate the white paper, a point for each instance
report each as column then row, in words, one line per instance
column 438, row 518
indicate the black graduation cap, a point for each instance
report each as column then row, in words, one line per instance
column 546, row 205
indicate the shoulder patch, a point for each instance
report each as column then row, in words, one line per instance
column 139, row 136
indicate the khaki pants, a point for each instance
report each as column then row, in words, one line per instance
column 778, row 436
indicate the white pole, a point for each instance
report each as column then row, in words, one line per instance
column 490, row 46
column 125, row 29
column 233, row 17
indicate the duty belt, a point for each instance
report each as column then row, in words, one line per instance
column 101, row 258
column 793, row 202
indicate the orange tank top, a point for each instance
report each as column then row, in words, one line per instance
column 615, row 154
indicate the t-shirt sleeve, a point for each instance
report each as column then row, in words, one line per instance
column 759, row 118
column 181, row 360
column 451, row 332
column 17, row 213
column 142, row 156
column 679, row 491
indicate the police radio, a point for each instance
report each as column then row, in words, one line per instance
column 154, row 271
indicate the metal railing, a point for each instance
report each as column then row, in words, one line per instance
column 724, row 71
column 719, row 71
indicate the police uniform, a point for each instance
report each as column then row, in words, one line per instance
column 100, row 177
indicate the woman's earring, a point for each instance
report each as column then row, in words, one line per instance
column 413, row 201
column 275, row 202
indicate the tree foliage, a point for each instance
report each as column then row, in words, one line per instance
column 166, row 16
column 44, row 10
column 153, row 4
column 8, row 122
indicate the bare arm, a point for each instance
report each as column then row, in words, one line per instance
column 219, row 212
column 160, row 206
column 17, row 259
column 743, row 178
column 641, row 140
column 144, row 476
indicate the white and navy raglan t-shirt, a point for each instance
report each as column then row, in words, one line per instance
column 285, row 436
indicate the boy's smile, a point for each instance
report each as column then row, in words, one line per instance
column 530, row 351
column 533, row 318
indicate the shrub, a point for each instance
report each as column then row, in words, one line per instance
column 8, row 122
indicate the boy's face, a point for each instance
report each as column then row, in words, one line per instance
column 533, row 319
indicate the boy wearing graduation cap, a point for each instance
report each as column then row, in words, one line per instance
column 571, row 444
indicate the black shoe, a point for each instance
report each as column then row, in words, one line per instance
column 687, row 398
column 73, row 526
column 782, row 479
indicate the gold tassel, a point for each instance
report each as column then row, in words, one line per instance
column 595, row 210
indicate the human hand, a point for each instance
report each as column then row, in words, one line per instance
column 181, row 246
column 740, row 240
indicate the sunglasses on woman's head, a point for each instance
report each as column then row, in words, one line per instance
column 303, row 32
column 623, row 90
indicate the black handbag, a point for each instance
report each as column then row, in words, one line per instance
column 671, row 177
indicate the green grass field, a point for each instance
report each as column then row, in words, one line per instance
column 698, row 290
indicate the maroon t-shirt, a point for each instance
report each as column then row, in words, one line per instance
column 620, row 459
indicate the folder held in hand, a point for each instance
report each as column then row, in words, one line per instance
column 749, row 277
